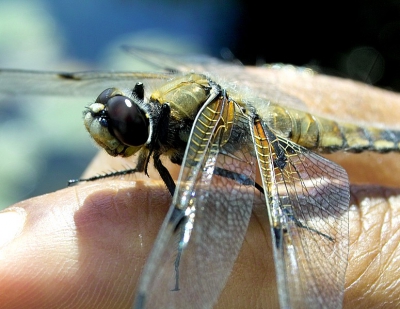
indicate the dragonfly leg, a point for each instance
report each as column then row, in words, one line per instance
column 164, row 173
column 304, row 226
column 176, row 264
column 138, row 169
column 178, row 221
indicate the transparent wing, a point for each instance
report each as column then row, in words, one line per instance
column 308, row 202
column 257, row 81
column 70, row 84
column 205, row 227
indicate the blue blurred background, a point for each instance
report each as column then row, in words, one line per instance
column 42, row 140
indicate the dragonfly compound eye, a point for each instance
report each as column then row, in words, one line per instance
column 127, row 121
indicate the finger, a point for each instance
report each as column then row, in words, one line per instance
column 81, row 247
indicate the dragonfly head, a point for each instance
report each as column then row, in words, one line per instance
column 117, row 122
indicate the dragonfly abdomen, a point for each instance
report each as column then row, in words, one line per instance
column 328, row 136
column 335, row 136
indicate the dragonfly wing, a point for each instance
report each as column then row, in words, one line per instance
column 205, row 227
column 25, row 82
column 308, row 201
column 230, row 75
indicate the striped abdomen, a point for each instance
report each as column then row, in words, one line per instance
column 326, row 135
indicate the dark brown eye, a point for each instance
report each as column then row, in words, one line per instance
column 127, row 122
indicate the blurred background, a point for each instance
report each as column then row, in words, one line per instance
column 42, row 140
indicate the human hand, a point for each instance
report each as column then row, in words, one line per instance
column 84, row 246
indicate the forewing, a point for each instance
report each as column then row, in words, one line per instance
column 308, row 202
column 89, row 84
column 205, row 227
column 258, row 82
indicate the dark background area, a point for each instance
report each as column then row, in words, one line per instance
column 356, row 39
column 353, row 39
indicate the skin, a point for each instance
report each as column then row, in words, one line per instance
column 84, row 246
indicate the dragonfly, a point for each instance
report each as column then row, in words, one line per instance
column 208, row 117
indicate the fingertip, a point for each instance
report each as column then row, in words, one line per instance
column 12, row 221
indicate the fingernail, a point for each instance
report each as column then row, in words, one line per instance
column 12, row 222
